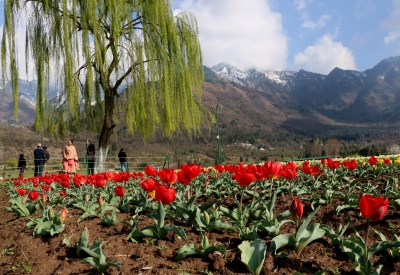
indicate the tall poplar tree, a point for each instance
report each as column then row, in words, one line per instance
column 97, row 48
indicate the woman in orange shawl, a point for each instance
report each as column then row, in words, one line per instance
column 70, row 158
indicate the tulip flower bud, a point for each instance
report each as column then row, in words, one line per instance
column 296, row 209
column 51, row 213
column 100, row 200
column 63, row 214
column 44, row 197
column 87, row 198
column 339, row 229
column 206, row 217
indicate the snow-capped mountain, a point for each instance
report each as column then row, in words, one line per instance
column 372, row 95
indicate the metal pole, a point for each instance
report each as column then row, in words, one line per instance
column 218, row 160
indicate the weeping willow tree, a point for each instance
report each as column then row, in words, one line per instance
column 97, row 48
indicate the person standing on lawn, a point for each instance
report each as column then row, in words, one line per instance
column 123, row 160
column 91, row 155
column 70, row 158
column 22, row 165
column 39, row 159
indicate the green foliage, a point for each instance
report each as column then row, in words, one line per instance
column 190, row 249
column 20, row 208
column 157, row 231
column 97, row 257
column 49, row 224
column 98, row 48
column 303, row 236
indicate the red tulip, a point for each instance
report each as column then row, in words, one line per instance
column 181, row 177
column 100, row 183
column 125, row 176
column 373, row 208
column 333, row 164
column 219, row 168
column 33, row 195
column 148, row 185
column 119, row 191
column 63, row 193
column 289, row 174
column 372, row 160
column 46, row 188
column 164, row 194
column 257, row 170
column 272, row 170
column 150, row 171
column 65, row 183
column 296, row 209
column 17, row 182
column 191, row 171
column 244, row 177
column 312, row 170
column 351, row 165
column 168, row 176
column 20, row 191
column 386, row 161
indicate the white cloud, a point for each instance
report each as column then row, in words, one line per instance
column 244, row 35
column 392, row 36
column 392, row 23
column 324, row 56
column 301, row 4
column 312, row 25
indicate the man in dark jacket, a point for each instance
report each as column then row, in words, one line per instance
column 122, row 160
column 39, row 159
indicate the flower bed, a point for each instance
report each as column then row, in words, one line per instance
column 270, row 218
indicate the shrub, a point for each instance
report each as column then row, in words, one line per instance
column 393, row 149
column 12, row 162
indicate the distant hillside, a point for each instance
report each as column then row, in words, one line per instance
column 26, row 113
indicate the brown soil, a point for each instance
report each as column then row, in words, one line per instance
column 49, row 255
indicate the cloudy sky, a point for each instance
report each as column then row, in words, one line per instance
column 314, row 35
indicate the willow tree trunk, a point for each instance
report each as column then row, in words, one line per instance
column 106, row 131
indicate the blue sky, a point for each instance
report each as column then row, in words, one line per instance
column 315, row 35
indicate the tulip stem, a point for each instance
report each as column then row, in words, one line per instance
column 366, row 243
column 255, row 189
column 241, row 199
column 270, row 190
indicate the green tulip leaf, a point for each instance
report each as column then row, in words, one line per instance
column 218, row 224
column 253, row 255
column 186, row 250
column 305, row 223
column 87, row 214
column 379, row 246
column 309, row 235
column 281, row 241
column 177, row 230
